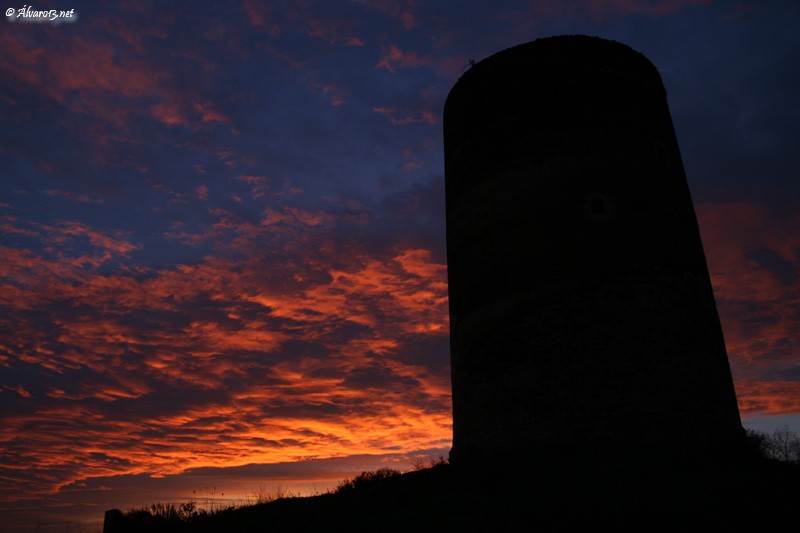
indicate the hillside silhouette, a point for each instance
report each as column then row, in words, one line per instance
column 581, row 493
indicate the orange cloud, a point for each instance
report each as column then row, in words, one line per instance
column 19, row 389
column 308, row 353
column 210, row 339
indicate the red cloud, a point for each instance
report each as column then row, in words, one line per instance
column 399, row 117
column 335, row 32
column 260, row 16
column 336, row 92
column 295, row 215
column 759, row 397
column 82, row 198
column 89, row 75
column 96, row 238
column 93, row 66
column 754, row 261
column 19, row 389
column 401, row 11
column 729, row 232
column 169, row 114
column 175, row 110
column 397, row 58
column 20, row 62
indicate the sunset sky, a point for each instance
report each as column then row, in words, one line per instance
column 222, row 254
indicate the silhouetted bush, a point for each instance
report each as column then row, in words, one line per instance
column 366, row 480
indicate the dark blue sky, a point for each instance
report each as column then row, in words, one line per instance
column 223, row 230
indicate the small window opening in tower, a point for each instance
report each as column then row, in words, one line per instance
column 598, row 207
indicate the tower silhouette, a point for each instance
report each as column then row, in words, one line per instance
column 581, row 308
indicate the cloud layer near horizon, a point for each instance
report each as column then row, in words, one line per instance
column 284, row 344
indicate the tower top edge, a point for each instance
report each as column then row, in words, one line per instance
column 570, row 52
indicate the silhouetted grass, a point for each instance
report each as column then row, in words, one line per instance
column 590, row 492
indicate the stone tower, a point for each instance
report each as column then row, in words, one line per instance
column 581, row 308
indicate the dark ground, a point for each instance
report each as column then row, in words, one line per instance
column 584, row 494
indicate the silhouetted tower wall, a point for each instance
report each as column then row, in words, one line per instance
column 581, row 309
